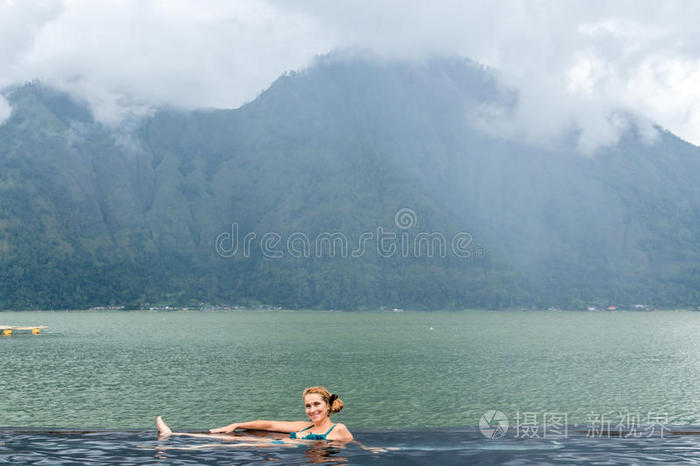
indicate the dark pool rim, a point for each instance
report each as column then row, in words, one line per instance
column 573, row 429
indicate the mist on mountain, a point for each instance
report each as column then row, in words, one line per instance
column 138, row 212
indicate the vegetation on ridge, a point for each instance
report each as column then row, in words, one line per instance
column 91, row 215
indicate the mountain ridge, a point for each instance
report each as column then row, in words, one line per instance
column 93, row 216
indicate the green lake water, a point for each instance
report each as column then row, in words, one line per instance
column 120, row 370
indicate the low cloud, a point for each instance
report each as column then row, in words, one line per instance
column 573, row 65
column 127, row 57
column 5, row 110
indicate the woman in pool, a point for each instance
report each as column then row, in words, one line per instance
column 320, row 404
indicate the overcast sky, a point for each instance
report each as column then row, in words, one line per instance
column 572, row 62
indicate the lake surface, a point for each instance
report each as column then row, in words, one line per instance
column 119, row 370
column 399, row 372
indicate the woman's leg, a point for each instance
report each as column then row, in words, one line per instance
column 164, row 432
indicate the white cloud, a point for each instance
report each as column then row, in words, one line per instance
column 5, row 110
column 574, row 64
column 668, row 89
column 127, row 56
column 20, row 22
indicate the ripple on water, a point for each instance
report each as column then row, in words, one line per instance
column 121, row 370
column 443, row 446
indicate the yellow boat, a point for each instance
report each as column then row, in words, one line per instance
column 9, row 329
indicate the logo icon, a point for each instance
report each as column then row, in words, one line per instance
column 405, row 218
column 493, row 424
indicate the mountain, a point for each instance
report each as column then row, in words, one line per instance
column 146, row 212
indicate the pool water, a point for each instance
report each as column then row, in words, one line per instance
column 387, row 447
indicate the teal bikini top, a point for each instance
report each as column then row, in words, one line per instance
column 311, row 436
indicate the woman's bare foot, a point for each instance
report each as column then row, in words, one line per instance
column 163, row 429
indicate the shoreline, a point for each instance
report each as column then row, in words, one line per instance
column 367, row 311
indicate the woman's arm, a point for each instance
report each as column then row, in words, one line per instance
column 341, row 433
column 274, row 426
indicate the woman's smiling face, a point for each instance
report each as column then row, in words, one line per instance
column 316, row 408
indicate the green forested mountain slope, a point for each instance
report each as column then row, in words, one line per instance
column 92, row 215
